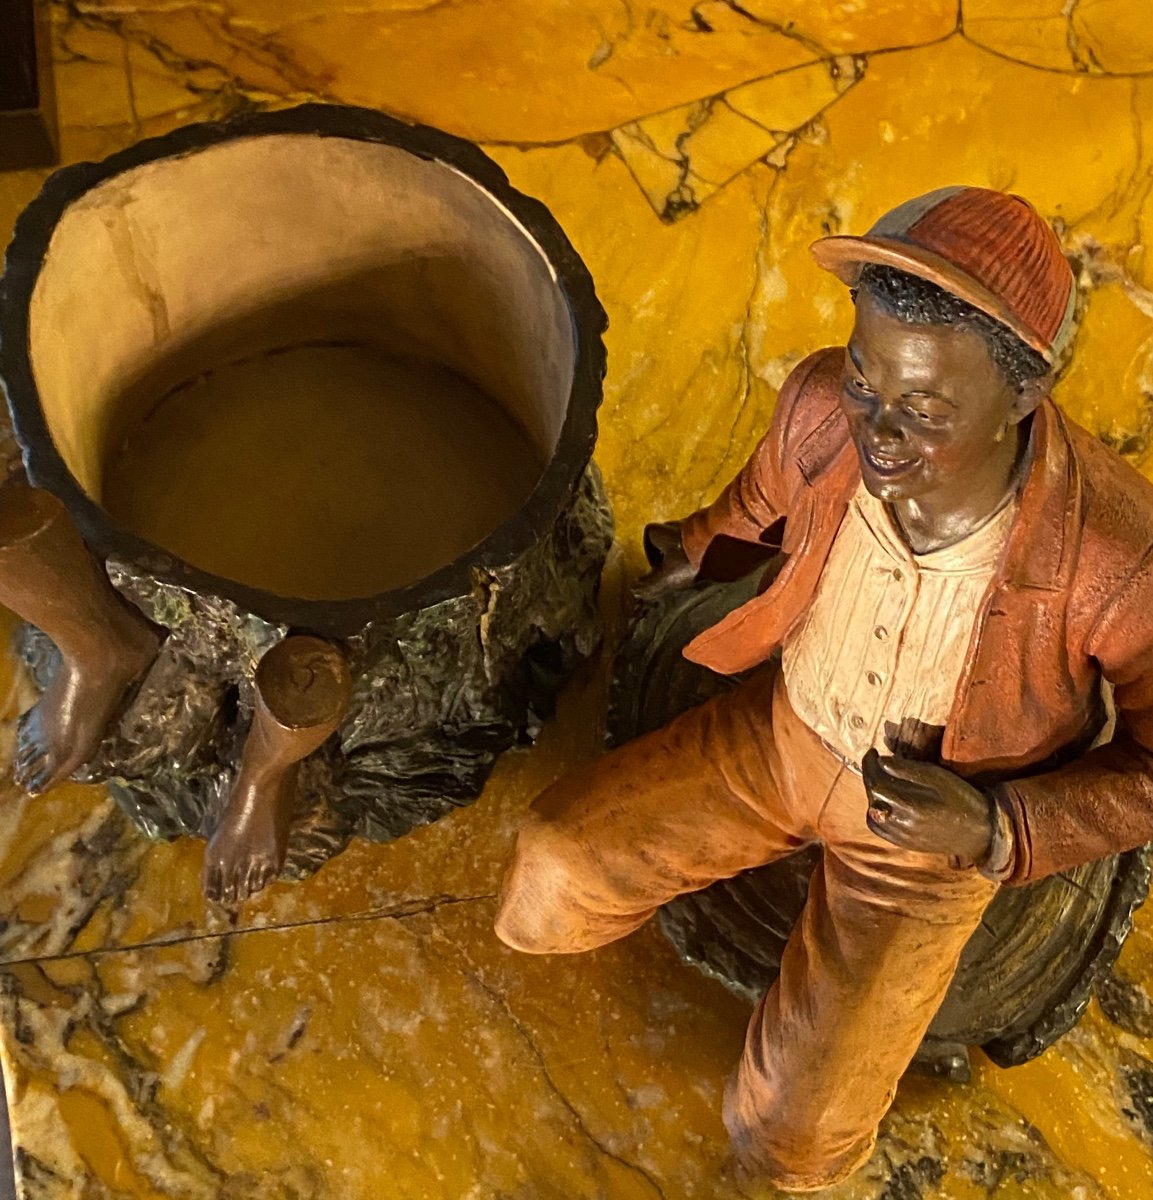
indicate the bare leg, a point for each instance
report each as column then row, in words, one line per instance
column 302, row 692
column 48, row 577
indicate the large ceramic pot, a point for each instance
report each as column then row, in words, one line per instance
column 316, row 371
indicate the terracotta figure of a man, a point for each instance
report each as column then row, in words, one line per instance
column 969, row 575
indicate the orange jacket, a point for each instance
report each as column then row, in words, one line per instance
column 1071, row 604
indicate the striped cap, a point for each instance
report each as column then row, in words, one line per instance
column 991, row 249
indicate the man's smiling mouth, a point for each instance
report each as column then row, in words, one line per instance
column 884, row 464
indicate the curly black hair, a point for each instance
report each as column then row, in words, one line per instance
column 919, row 302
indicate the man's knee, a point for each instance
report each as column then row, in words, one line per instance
column 559, row 898
column 542, row 902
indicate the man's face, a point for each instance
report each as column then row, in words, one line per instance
column 926, row 405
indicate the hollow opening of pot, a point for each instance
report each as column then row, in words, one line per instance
column 313, row 365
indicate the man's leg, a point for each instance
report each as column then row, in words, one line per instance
column 48, row 577
column 861, row 979
column 706, row 797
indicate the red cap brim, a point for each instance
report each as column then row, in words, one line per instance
column 845, row 256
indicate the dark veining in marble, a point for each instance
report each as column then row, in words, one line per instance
column 909, row 1180
column 1137, row 1075
column 1126, row 1004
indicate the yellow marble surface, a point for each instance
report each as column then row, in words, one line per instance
column 362, row 1034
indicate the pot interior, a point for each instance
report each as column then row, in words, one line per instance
column 314, row 365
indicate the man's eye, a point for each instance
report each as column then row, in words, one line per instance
column 862, row 386
column 926, row 418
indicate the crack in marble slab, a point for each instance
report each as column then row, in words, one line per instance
column 680, row 199
column 686, row 188
column 474, row 972
column 226, row 87
column 65, row 1031
column 400, row 912
column 683, row 155
column 682, row 195
column 914, row 1154
column 66, row 1039
column 786, row 31
column 526, row 1038
column 1083, row 59
column 748, row 373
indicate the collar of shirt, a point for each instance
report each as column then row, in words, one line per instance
column 977, row 552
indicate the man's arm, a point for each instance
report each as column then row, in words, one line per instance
column 1025, row 829
column 739, row 517
column 1101, row 803
column 757, row 498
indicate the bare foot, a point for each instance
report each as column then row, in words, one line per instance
column 64, row 729
column 247, row 850
column 302, row 691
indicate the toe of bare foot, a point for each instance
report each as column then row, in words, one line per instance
column 45, row 755
column 29, row 736
column 261, row 872
column 212, row 879
column 64, row 730
column 219, row 877
column 33, row 768
column 229, row 880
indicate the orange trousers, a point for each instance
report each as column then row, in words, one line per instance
column 734, row 784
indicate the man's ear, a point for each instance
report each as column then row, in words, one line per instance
column 1029, row 394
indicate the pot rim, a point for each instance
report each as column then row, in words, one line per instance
column 340, row 618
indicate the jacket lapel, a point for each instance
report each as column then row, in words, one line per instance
column 1016, row 694
column 828, row 475
column 1018, row 661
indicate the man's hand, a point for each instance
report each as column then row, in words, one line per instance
column 921, row 806
column 671, row 567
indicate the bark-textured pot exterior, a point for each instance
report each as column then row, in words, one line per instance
column 449, row 669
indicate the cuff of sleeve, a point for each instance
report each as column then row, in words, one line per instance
column 1001, row 860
